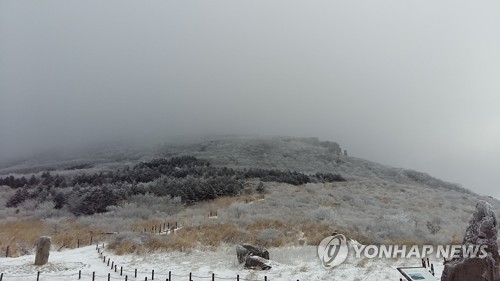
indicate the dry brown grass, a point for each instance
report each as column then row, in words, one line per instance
column 315, row 232
column 73, row 233
column 21, row 235
column 210, row 236
column 207, row 237
column 214, row 235
column 289, row 233
column 148, row 225
column 127, row 247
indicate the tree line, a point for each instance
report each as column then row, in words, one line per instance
column 185, row 177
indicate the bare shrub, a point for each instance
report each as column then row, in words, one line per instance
column 323, row 213
column 237, row 210
column 269, row 237
column 434, row 226
column 127, row 243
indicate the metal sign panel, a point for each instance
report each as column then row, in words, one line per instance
column 417, row 274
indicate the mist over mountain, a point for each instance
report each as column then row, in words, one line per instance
column 410, row 85
column 178, row 130
column 308, row 155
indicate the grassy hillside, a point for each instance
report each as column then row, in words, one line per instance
column 376, row 203
column 308, row 155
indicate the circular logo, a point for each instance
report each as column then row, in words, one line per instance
column 333, row 250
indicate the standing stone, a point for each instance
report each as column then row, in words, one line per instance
column 482, row 230
column 42, row 250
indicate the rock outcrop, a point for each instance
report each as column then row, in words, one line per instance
column 255, row 262
column 482, row 231
column 252, row 257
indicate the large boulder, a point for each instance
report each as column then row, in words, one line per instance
column 245, row 250
column 482, row 231
column 255, row 262
column 253, row 257
column 42, row 250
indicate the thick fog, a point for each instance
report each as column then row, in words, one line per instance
column 412, row 84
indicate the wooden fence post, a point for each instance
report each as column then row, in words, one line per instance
column 109, row 276
column 169, row 276
column 93, row 276
column 7, row 252
column 121, row 270
column 1, row 276
column 153, row 274
column 79, row 274
column 190, row 275
column 135, row 273
column 213, row 276
column 38, row 276
column 78, row 243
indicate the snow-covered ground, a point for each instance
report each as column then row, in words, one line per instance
column 293, row 263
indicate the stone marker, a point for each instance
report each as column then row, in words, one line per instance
column 42, row 250
column 482, row 230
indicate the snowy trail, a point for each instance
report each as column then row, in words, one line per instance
column 294, row 263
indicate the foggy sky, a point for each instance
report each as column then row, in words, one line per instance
column 413, row 84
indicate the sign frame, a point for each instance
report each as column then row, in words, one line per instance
column 416, row 273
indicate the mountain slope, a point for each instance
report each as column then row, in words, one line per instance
column 307, row 155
